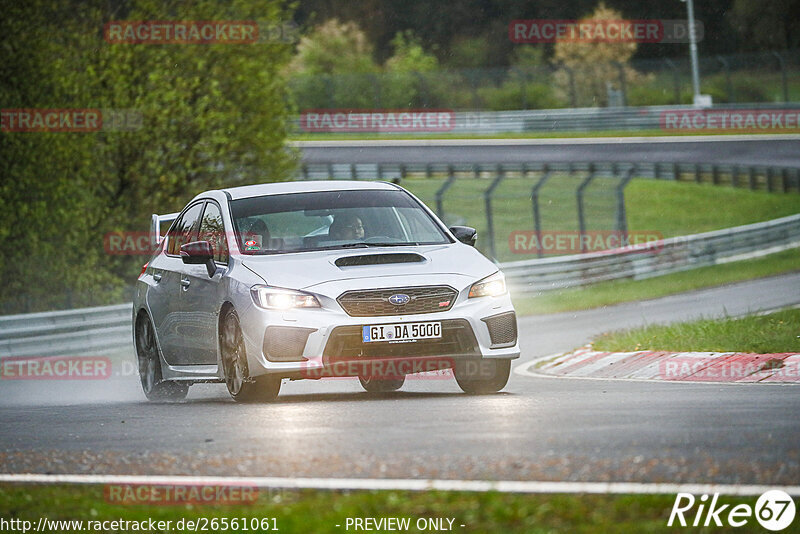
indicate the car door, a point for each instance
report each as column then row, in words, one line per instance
column 163, row 298
column 201, row 294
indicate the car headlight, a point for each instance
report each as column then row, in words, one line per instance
column 491, row 286
column 282, row 299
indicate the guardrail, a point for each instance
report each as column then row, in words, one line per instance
column 107, row 329
column 656, row 258
column 588, row 119
column 85, row 331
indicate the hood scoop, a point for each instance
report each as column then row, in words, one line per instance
column 379, row 259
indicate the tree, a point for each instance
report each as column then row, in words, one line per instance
column 403, row 82
column 773, row 25
column 330, row 68
column 211, row 115
column 334, row 47
column 592, row 67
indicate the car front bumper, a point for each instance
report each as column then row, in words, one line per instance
column 303, row 342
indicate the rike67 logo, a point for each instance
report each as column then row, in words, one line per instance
column 774, row 510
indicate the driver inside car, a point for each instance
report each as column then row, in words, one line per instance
column 346, row 227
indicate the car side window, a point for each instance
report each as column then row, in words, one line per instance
column 212, row 230
column 185, row 230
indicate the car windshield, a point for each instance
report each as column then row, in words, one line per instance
column 301, row 222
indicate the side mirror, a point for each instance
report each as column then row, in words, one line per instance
column 465, row 234
column 199, row 253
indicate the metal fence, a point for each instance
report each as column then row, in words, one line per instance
column 757, row 77
column 107, row 329
column 558, row 195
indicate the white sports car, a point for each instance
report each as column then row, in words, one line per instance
column 256, row 284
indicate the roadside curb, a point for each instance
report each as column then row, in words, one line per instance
column 695, row 367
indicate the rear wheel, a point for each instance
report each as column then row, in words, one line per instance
column 241, row 386
column 378, row 384
column 478, row 377
column 153, row 384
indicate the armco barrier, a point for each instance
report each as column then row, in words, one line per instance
column 107, row 329
column 86, row 331
column 661, row 257
column 586, row 119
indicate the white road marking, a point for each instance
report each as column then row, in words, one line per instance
column 344, row 143
column 405, row 484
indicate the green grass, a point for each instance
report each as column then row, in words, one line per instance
column 321, row 511
column 618, row 291
column 516, row 135
column 762, row 334
column 665, row 207
column 677, row 208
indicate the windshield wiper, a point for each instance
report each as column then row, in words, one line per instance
column 408, row 244
column 362, row 244
column 365, row 244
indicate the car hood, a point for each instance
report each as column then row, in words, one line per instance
column 456, row 265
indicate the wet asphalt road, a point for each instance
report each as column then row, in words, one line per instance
column 536, row 429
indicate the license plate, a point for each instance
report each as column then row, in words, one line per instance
column 401, row 332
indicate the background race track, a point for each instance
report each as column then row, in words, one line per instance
column 744, row 150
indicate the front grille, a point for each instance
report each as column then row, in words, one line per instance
column 346, row 342
column 375, row 302
column 285, row 343
column 502, row 329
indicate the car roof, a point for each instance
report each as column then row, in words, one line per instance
column 305, row 186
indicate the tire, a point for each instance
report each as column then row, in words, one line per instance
column 153, row 384
column 479, row 377
column 373, row 384
column 241, row 386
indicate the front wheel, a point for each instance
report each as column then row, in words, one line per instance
column 379, row 384
column 241, row 386
column 153, row 384
column 478, row 377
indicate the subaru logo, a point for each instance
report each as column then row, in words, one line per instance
column 399, row 299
